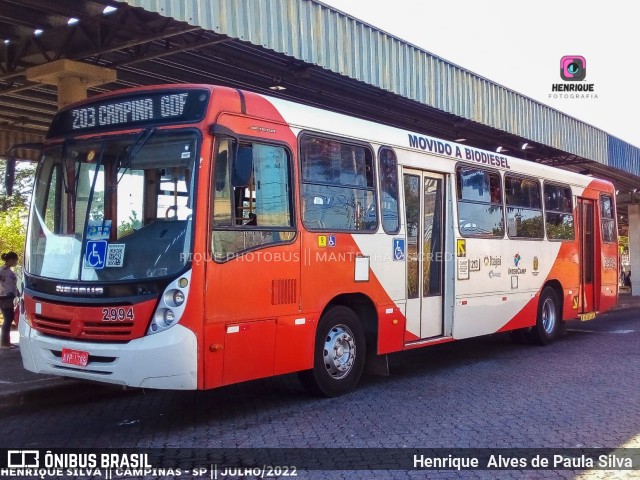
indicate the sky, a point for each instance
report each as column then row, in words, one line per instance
column 519, row 45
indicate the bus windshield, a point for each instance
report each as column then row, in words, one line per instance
column 117, row 208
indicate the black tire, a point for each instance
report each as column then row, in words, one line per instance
column 520, row 336
column 548, row 320
column 339, row 354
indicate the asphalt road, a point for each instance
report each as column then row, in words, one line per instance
column 582, row 391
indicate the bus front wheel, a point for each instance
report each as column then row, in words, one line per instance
column 548, row 319
column 339, row 354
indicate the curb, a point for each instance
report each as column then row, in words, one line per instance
column 626, row 305
column 57, row 391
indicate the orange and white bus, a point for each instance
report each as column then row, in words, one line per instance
column 192, row 236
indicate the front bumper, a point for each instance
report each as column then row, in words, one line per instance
column 165, row 360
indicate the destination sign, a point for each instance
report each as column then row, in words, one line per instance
column 131, row 111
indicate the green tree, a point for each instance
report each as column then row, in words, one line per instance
column 23, row 185
column 13, row 229
column 14, row 209
column 129, row 226
column 623, row 242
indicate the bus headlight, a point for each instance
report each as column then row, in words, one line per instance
column 178, row 298
column 171, row 305
column 174, row 297
column 164, row 317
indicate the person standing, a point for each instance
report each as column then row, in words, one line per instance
column 8, row 292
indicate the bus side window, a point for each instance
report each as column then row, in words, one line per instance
column 338, row 190
column 252, row 197
column 524, row 207
column 558, row 212
column 388, row 168
column 222, row 184
column 480, row 211
column 608, row 218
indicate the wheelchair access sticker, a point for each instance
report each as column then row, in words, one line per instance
column 95, row 254
column 398, row 249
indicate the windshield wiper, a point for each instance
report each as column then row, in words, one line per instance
column 132, row 150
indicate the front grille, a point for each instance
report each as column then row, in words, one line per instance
column 90, row 322
column 84, row 330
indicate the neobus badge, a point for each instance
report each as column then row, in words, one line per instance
column 79, row 290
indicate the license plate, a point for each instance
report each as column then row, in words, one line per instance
column 587, row 316
column 75, row 357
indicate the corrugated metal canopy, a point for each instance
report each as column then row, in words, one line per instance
column 322, row 56
column 335, row 41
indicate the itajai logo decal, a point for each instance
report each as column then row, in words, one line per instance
column 573, row 70
column 516, row 259
column 490, row 261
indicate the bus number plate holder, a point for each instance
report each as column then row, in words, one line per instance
column 75, row 357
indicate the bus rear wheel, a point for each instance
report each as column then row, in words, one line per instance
column 548, row 319
column 339, row 354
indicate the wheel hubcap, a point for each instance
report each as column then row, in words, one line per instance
column 339, row 351
column 548, row 316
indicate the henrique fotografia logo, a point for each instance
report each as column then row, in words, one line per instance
column 573, row 68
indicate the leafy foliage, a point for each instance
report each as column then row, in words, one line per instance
column 134, row 223
column 14, row 209
column 624, row 244
column 23, row 185
column 13, row 229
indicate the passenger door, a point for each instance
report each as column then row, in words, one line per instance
column 586, row 223
column 424, row 214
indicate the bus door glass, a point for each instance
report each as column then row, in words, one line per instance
column 424, row 200
column 587, row 253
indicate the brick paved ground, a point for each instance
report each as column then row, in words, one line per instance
column 582, row 391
